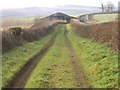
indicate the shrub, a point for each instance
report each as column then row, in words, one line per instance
column 16, row 36
column 16, row 30
column 103, row 32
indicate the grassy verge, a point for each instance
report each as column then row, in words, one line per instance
column 55, row 69
column 99, row 63
column 16, row 58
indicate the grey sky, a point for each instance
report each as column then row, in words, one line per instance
column 51, row 3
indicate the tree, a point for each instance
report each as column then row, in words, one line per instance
column 103, row 8
column 119, row 6
column 110, row 7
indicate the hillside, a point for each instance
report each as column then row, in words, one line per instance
column 36, row 11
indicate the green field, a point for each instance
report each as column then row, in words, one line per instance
column 18, row 20
column 105, row 17
column 99, row 63
column 16, row 58
column 56, row 70
column 52, row 70
column 77, row 15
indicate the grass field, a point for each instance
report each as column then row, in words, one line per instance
column 15, row 59
column 77, row 15
column 21, row 21
column 99, row 63
column 17, row 21
column 105, row 17
column 56, row 69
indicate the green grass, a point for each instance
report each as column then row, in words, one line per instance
column 101, row 18
column 77, row 15
column 99, row 63
column 24, row 18
column 21, row 18
column 16, row 58
column 105, row 17
column 55, row 69
column 17, row 21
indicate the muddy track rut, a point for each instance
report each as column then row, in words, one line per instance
column 81, row 80
column 20, row 79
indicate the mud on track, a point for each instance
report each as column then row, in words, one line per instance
column 81, row 80
column 20, row 79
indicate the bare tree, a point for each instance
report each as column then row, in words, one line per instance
column 110, row 7
column 103, row 8
column 119, row 6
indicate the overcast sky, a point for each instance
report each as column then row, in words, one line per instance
column 51, row 3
